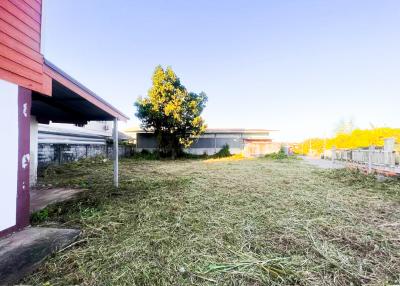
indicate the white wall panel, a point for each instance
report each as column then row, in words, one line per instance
column 9, row 147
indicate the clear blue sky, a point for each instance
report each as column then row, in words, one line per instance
column 296, row 66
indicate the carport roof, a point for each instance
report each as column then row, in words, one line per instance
column 70, row 101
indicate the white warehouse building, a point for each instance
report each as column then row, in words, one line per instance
column 249, row 142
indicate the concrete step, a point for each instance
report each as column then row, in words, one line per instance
column 22, row 252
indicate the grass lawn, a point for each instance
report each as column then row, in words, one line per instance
column 222, row 222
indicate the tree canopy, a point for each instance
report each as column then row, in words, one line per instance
column 171, row 112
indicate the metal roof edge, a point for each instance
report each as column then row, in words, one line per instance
column 84, row 88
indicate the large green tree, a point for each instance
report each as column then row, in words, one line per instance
column 171, row 112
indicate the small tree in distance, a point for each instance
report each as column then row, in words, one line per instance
column 171, row 112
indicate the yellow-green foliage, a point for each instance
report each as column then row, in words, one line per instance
column 358, row 138
column 173, row 113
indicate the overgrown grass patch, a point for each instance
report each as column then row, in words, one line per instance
column 359, row 180
column 233, row 222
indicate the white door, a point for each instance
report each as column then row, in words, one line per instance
column 9, row 154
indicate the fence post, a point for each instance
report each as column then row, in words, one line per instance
column 388, row 150
column 59, row 152
column 333, row 156
column 370, row 151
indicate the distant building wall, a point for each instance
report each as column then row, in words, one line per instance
column 146, row 141
column 57, row 154
column 211, row 151
column 211, row 143
column 257, row 148
column 56, row 144
column 62, row 143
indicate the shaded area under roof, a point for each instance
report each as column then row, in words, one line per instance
column 71, row 102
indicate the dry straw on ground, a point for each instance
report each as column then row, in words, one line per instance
column 240, row 222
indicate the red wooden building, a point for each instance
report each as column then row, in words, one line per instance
column 32, row 86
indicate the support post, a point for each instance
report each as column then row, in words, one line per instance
column 215, row 143
column 24, row 118
column 33, row 151
column 333, row 155
column 115, row 155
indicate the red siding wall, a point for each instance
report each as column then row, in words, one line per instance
column 20, row 34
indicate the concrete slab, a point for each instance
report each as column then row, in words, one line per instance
column 41, row 198
column 22, row 252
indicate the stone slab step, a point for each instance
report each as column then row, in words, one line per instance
column 22, row 252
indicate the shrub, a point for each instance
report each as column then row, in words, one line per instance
column 224, row 152
column 277, row 156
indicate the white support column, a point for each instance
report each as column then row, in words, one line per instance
column 115, row 155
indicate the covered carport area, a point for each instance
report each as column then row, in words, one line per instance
column 63, row 100
column 71, row 102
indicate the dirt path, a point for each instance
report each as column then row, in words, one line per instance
column 323, row 164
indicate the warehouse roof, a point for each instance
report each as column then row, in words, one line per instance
column 213, row 130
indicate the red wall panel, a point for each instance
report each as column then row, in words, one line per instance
column 20, row 59
column 28, row 10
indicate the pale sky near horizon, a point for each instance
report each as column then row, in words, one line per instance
column 296, row 66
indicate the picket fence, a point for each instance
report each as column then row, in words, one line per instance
column 362, row 156
column 371, row 159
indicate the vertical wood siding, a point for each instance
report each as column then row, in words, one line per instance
column 20, row 31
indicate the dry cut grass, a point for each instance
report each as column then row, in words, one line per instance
column 238, row 222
